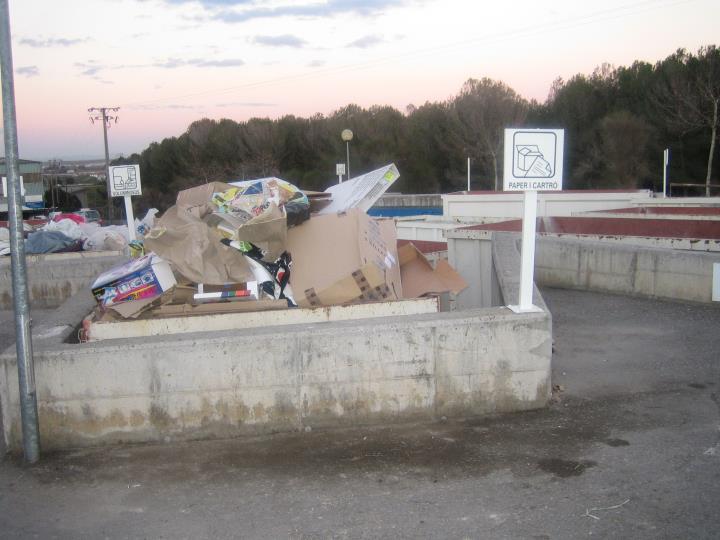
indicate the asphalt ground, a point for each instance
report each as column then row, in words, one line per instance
column 629, row 448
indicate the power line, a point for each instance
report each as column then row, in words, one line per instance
column 527, row 31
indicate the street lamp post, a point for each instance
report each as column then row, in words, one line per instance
column 347, row 136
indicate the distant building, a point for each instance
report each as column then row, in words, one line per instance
column 31, row 173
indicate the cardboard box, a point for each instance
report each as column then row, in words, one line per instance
column 139, row 279
column 344, row 258
column 419, row 278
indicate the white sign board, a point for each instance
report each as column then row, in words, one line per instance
column 125, row 181
column 533, row 159
column 5, row 189
column 339, row 169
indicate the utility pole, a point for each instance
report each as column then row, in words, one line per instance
column 101, row 113
column 21, row 304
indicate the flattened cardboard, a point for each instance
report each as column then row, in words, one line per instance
column 419, row 278
column 133, row 310
column 173, row 310
column 362, row 191
column 194, row 250
column 343, row 258
column 200, row 195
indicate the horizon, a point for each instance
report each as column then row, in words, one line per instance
column 167, row 63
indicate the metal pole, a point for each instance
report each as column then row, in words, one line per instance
column 468, row 175
column 23, row 338
column 528, row 250
column 666, row 160
column 130, row 218
column 347, row 146
column 107, row 167
column 527, row 259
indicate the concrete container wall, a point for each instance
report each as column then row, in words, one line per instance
column 55, row 277
column 231, row 383
column 235, row 382
column 474, row 262
column 509, row 205
column 597, row 266
column 587, row 265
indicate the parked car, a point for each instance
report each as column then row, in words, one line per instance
column 84, row 215
column 90, row 215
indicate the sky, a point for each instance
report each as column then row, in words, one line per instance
column 166, row 63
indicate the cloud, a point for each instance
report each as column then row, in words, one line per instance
column 51, row 42
column 366, row 42
column 246, row 104
column 328, row 8
column 316, row 63
column 212, row 3
column 285, row 40
column 228, row 62
column 172, row 106
column 93, row 69
column 90, row 68
column 27, row 71
column 172, row 63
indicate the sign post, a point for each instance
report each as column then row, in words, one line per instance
column 125, row 182
column 533, row 162
column 340, row 171
column 666, row 161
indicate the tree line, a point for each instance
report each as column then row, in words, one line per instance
column 617, row 121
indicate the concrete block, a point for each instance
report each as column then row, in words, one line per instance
column 55, row 277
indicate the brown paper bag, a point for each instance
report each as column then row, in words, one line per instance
column 194, row 250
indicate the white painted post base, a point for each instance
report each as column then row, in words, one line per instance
column 130, row 218
column 527, row 264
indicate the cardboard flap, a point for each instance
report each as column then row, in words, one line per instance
column 200, row 195
column 419, row 278
column 361, row 191
column 447, row 275
column 367, row 284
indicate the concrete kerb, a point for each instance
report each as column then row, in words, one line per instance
column 232, row 383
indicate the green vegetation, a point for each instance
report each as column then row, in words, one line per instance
column 617, row 122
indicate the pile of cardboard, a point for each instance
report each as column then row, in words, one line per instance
column 200, row 260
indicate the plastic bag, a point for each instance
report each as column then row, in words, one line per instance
column 142, row 226
column 50, row 242
column 112, row 238
column 68, row 227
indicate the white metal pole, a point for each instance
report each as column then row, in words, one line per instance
column 527, row 263
column 666, row 160
column 347, row 147
column 130, row 218
column 468, row 169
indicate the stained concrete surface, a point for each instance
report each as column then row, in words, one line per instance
column 630, row 448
